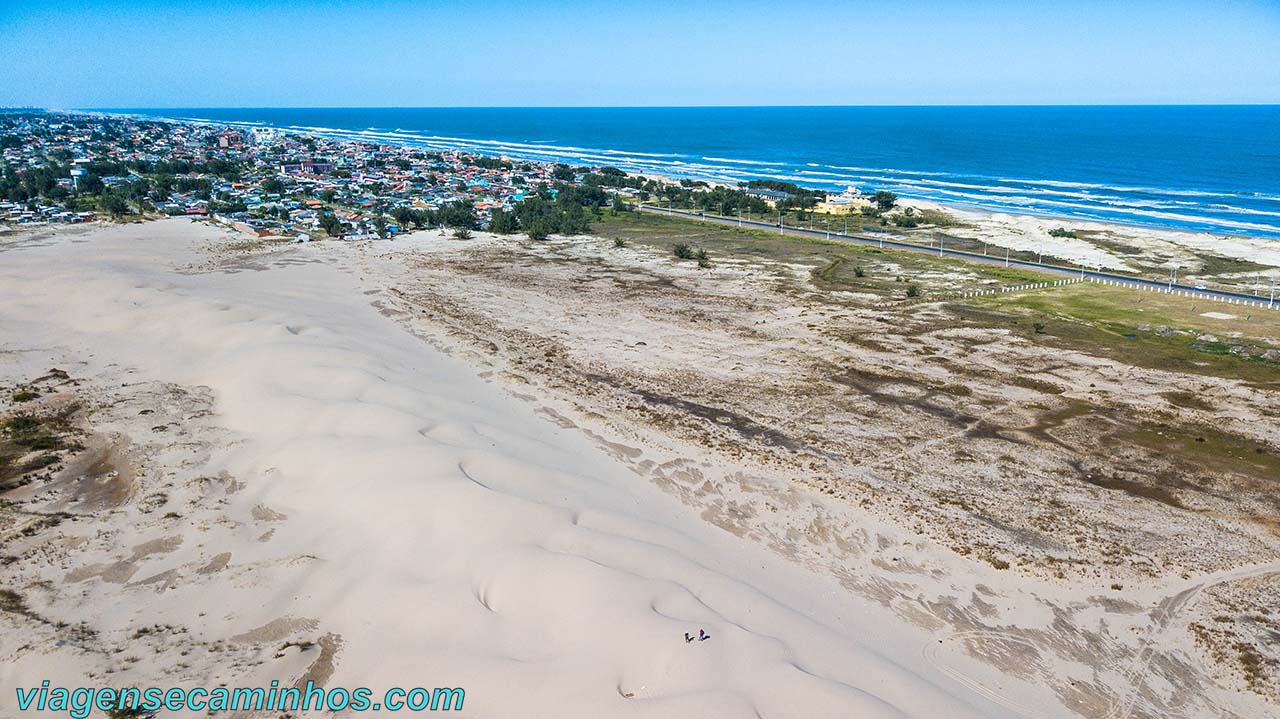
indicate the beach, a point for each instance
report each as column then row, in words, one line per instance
column 530, row 469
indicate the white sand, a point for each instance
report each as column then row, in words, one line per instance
column 446, row 533
column 1171, row 247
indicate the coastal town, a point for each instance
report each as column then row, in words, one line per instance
column 75, row 168
column 71, row 168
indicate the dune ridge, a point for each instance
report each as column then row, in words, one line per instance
column 423, row 527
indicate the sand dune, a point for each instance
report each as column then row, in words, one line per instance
column 414, row 524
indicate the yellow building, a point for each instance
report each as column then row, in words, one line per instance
column 847, row 202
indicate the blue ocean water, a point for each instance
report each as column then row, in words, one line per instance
column 1207, row 168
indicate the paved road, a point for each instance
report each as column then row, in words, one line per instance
column 1062, row 270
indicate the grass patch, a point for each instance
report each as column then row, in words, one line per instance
column 836, row 265
column 1126, row 325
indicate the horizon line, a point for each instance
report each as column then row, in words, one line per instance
column 655, row 107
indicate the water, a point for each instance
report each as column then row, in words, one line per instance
column 1206, row 168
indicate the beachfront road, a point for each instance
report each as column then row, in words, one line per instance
column 884, row 240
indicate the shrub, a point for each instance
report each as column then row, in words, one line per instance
column 913, row 290
column 44, row 441
column 21, row 425
column 24, row 396
column 619, row 242
column 1038, row 327
column 1062, row 232
column 938, row 218
column 859, row 272
column 462, row 233
column 682, row 250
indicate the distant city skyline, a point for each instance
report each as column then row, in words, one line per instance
column 377, row 53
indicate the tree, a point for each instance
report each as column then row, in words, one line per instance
column 885, row 200
column 113, row 204
column 503, row 222
column 89, row 184
column 538, row 231
column 403, row 216
column 380, row 226
column 273, row 186
column 331, row 224
column 459, row 215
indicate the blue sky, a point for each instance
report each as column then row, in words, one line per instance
column 160, row 53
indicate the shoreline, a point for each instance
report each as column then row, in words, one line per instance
column 640, row 161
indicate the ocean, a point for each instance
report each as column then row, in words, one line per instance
column 1205, row 168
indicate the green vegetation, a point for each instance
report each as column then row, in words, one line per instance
column 458, row 215
column 272, row 186
column 837, row 265
column 938, row 218
column 28, row 431
column 1062, row 232
column 332, row 225
column 1145, row 329
column 563, row 209
column 503, row 222
column 884, row 200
